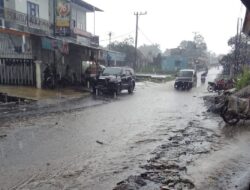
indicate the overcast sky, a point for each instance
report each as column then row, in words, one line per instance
column 168, row 22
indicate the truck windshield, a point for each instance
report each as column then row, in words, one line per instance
column 112, row 71
column 185, row 74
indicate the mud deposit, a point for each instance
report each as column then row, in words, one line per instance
column 167, row 169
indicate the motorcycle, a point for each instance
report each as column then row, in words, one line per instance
column 219, row 102
column 203, row 78
column 235, row 109
column 49, row 82
column 220, row 85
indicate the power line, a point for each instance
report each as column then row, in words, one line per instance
column 116, row 37
column 146, row 36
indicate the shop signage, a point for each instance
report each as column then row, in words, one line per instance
column 63, row 17
column 82, row 32
column 83, row 40
column 52, row 44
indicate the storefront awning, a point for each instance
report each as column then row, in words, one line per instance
column 73, row 41
column 246, row 24
column 87, row 6
column 246, row 3
column 13, row 32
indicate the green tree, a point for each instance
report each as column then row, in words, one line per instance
column 238, row 57
column 126, row 47
column 195, row 50
column 150, row 51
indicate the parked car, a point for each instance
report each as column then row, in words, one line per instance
column 115, row 79
column 185, row 79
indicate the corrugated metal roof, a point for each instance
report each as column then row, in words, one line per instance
column 87, row 6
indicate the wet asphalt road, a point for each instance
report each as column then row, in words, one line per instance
column 103, row 141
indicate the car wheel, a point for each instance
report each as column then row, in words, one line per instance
column 131, row 88
column 190, row 86
column 210, row 88
column 176, row 86
column 118, row 89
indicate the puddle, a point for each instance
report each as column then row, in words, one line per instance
column 5, row 98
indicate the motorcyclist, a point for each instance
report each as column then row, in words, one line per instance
column 47, row 73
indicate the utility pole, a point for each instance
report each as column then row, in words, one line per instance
column 54, row 28
column 94, row 18
column 235, row 67
column 110, row 35
column 137, row 14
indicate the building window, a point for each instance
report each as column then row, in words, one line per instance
column 33, row 9
column 33, row 13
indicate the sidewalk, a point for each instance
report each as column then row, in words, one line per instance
column 41, row 101
column 32, row 93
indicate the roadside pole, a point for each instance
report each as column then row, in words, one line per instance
column 137, row 14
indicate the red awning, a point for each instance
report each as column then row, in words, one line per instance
column 13, row 32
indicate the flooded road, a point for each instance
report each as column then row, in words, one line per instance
column 155, row 138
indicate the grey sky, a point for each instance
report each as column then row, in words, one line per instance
column 168, row 21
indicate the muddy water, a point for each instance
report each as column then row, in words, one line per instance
column 37, row 94
column 227, row 168
column 95, row 148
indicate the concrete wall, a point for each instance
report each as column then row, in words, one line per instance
column 10, row 4
column 79, row 15
column 21, row 6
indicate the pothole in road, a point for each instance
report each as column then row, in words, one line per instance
column 167, row 169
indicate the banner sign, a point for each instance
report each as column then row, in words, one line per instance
column 63, row 10
column 52, row 44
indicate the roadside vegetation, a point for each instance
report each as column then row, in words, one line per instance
column 243, row 79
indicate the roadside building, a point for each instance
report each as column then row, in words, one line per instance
column 174, row 63
column 83, row 45
column 35, row 34
column 111, row 58
column 21, row 24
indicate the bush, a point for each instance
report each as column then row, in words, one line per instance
column 243, row 80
